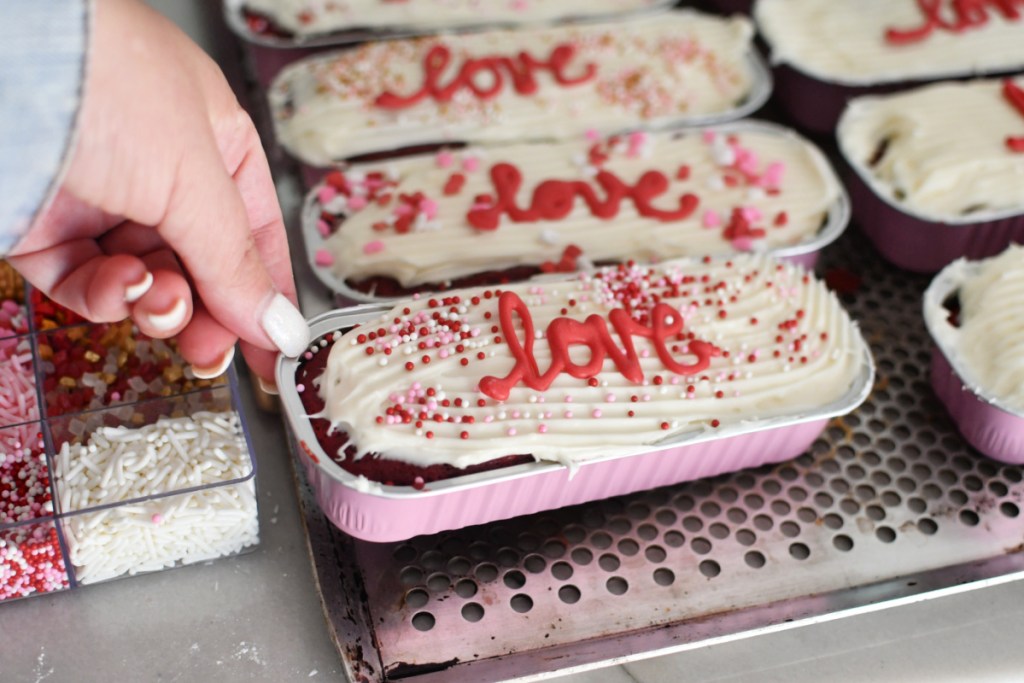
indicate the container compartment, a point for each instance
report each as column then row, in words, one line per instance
column 31, row 561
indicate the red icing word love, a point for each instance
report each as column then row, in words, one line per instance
column 593, row 333
column 554, row 199
column 1015, row 96
column 966, row 14
column 521, row 70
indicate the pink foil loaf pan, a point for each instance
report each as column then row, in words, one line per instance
column 995, row 430
column 383, row 513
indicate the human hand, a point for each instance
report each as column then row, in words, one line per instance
column 168, row 212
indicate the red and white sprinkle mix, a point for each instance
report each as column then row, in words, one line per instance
column 31, row 561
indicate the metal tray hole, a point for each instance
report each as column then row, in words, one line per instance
column 833, row 521
column 684, row 503
column 1013, row 475
column 472, row 612
column 617, row 585
column 843, row 542
column 927, row 526
column 521, row 603
column 507, row 557
column 515, row 579
column 865, row 492
column 439, row 582
column 753, row 501
column 745, row 480
column 763, row 522
column 849, row 506
column 728, row 495
column 855, row 472
column 666, row 517
column 754, row 559
column 718, row 531
column 701, row 546
column 906, row 484
column 554, row 549
column 771, row 487
column 710, row 509
column 620, row 526
column 780, row 507
column 998, row 488
column 917, row 505
column 693, row 524
column 891, row 499
column 1010, row 510
column 973, row 483
column 486, row 573
column 459, row 566
column 885, row 534
column 423, row 621
column 799, row 551
column 875, row 513
column 574, row 534
column 562, row 571
column 947, row 477
column 958, row 497
column 647, row 532
column 582, row 556
column 535, row 564
column 710, row 568
column 969, row 517
column 797, row 493
column 746, row 537
column 432, row 560
column 466, row 588
column 674, row 539
column 628, row 547
column 417, row 598
column 480, row 551
column 404, row 554
column 608, row 562
column 931, row 491
column 528, row 543
column 814, row 480
column 664, row 577
column 593, row 518
column 601, row 540
column 411, row 576
column 840, row 486
column 638, row 511
column 655, row 553
column 570, row 595
column 807, row 515
column 790, row 529
column 736, row 515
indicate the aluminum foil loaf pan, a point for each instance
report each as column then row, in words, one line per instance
column 991, row 421
column 827, row 52
column 737, row 171
column 921, row 236
column 655, row 70
column 290, row 24
column 618, row 461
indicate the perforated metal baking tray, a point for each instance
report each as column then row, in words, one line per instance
column 889, row 506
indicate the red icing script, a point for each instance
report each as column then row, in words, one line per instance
column 1015, row 96
column 960, row 16
column 554, row 199
column 593, row 333
column 521, row 70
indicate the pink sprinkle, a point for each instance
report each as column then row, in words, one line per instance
column 568, row 414
column 511, row 431
column 445, row 159
column 323, row 228
column 443, row 353
column 773, row 174
column 373, row 247
column 356, row 202
column 543, row 429
column 751, row 213
column 711, row 219
column 592, row 135
column 429, row 207
column 610, row 398
column 709, row 136
column 597, row 412
column 470, row 164
column 568, row 398
column 324, row 258
column 326, row 194
column 116, row 396
column 301, row 388
column 157, row 518
column 743, row 244
column 402, row 210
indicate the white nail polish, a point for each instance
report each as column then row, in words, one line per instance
column 216, row 370
column 268, row 387
column 134, row 292
column 170, row 320
column 285, row 326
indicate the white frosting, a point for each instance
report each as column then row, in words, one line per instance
column 781, row 181
column 311, row 17
column 844, row 41
column 792, row 351
column 657, row 69
column 987, row 349
column 947, row 156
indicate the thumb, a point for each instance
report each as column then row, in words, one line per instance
column 207, row 226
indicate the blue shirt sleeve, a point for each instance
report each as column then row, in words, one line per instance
column 42, row 62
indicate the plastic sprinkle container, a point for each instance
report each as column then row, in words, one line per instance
column 114, row 460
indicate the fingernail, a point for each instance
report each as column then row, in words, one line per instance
column 170, row 320
column 268, row 387
column 134, row 292
column 285, row 326
column 215, row 370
